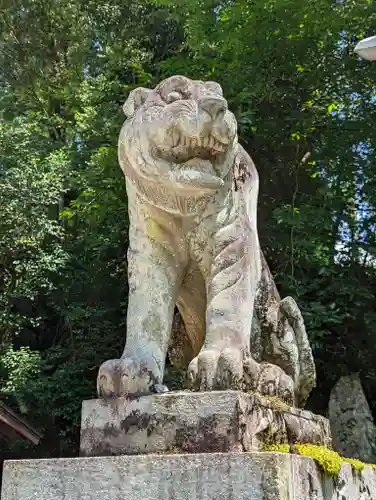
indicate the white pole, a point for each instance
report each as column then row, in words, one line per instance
column 366, row 48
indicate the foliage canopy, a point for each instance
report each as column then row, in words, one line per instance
column 305, row 107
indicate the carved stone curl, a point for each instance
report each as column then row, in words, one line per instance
column 192, row 200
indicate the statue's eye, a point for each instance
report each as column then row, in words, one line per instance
column 173, row 96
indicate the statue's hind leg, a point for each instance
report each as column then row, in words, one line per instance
column 187, row 341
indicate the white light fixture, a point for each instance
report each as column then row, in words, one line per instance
column 366, row 48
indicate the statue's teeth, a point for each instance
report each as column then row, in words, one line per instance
column 175, row 137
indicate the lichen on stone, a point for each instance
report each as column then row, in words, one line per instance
column 330, row 461
column 277, row 403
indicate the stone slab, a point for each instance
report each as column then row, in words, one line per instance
column 217, row 476
column 188, row 422
column 351, row 421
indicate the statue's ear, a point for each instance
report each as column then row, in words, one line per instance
column 214, row 87
column 135, row 100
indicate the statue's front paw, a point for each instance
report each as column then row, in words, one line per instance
column 121, row 377
column 216, row 369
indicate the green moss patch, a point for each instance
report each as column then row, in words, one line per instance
column 329, row 460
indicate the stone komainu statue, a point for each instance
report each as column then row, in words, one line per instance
column 192, row 200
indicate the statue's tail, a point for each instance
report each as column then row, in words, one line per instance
column 306, row 378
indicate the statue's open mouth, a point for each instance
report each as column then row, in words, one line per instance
column 207, row 142
column 183, row 154
column 201, row 160
column 185, row 149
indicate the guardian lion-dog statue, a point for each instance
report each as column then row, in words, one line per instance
column 193, row 242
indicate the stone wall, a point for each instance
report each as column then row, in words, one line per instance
column 207, row 476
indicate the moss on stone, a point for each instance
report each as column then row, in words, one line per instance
column 355, row 463
column 279, row 448
column 329, row 460
column 277, row 404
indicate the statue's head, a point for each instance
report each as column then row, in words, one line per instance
column 180, row 135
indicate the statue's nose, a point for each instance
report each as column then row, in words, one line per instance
column 213, row 105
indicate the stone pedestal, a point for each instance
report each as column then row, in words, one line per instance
column 211, row 476
column 189, row 422
column 189, row 446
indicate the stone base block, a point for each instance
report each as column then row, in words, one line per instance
column 188, row 422
column 217, row 476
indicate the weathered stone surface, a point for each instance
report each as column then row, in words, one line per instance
column 278, row 336
column 279, row 329
column 351, row 421
column 194, row 423
column 217, row 476
column 192, row 198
